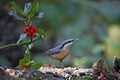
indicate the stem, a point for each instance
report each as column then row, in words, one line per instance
column 31, row 39
column 28, row 50
column 20, row 44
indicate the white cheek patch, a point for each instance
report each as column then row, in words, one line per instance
column 68, row 44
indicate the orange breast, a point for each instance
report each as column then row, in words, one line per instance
column 60, row 56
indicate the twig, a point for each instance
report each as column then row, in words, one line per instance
column 15, row 44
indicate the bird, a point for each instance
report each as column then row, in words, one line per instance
column 61, row 51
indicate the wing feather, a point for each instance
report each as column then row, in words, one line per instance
column 53, row 50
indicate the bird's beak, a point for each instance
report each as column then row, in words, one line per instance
column 76, row 40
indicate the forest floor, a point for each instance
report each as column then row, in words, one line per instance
column 99, row 71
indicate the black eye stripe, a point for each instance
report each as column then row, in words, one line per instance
column 65, row 43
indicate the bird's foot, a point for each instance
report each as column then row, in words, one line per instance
column 60, row 67
column 47, row 65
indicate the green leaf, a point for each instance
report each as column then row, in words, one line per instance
column 25, row 60
column 16, row 8
column 22, row 36
column 30, row 62
column 33, row 10
column 36, row 66
column 42, row 33
column 21, row 63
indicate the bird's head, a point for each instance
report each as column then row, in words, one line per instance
column 68, row 42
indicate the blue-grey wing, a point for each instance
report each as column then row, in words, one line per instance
column 53, row 50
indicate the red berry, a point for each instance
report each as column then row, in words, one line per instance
column 25, row 66
column 30, row 27
column 34, row 28
column 26, row 29
column 33, row 35
column 29, row 34
column 32, row 31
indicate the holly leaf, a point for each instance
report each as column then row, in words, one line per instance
column 34, row 9
column 16, row 8
column 41, row 33
column 25, row 60
column 36, row 66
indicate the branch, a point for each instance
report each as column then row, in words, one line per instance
column 20, row 44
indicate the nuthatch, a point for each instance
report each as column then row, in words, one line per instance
column 61, row 51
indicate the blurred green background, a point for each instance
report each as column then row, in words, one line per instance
column 95, row 23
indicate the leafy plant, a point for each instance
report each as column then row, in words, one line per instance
column 30, row 33
column 26, row 62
